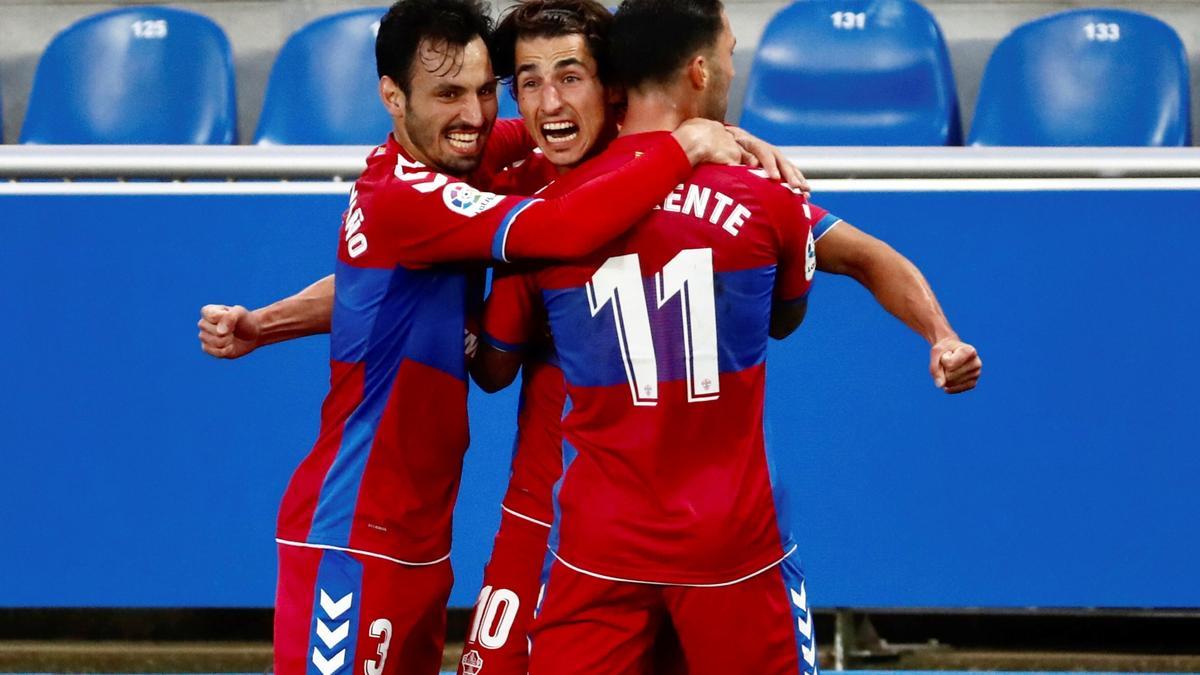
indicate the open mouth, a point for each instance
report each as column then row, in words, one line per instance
column 463, row 140
column 560, row 132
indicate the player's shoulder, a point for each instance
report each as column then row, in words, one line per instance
column 748, row 185
column 741, row 177
column 409, row 189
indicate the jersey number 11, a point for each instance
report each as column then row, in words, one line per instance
column 689, row 275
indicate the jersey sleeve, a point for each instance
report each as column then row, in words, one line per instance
column 512, row 315
column 429, row 218
column 823, row 221
column 599, row 210
column 794, row 219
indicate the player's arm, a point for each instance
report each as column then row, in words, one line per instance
column 510, row 317
column 453, row 223
column 229, row 332
column 793, row 220
column 902, row 290
column 606, row 206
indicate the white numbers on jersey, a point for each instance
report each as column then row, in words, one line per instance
column 356, row 242
column 849, row 20
column 689, row 275
column 619, row 281
column 495, row 612
column 1103, row 32
column 155, row 29
column 380, row 628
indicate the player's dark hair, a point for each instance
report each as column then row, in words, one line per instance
column 449, row 23
column 550, row 19
column 651, row 40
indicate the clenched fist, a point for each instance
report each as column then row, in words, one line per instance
column 228, row 332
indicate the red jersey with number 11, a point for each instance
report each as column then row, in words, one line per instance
column 662, row 338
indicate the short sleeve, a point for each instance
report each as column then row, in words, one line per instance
column 823, row 221
column 794, row 218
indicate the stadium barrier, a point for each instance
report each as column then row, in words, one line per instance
column 141, row 473
column 346, row 162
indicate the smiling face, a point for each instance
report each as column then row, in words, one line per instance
column 445, row 119
column 561, row 97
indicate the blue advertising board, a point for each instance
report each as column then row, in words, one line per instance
column 139, row 472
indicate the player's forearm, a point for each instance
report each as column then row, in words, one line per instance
column 308, row 312
column 902, row 290
column 600, row 210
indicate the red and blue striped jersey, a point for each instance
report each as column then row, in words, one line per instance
column 662, row 337
column 384, row 472
column 537, row 448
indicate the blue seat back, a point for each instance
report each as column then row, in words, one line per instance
column 324, row 88
column 135, row 75
column 1094, row 77
column 508, row 105
column 852, row 72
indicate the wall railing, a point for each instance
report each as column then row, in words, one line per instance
column 346, row 162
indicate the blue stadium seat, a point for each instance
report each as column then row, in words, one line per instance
column 1095, row 77
column 324, row 88
column 135, row 75
column 852, row 72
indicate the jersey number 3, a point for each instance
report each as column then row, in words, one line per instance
column 689, row 275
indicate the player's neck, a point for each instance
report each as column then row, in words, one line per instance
column 657, row 109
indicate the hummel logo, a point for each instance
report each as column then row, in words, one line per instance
column 331, row 638
column 809, row 656
column 335, row 609
column 804, row 625
column 328, row 666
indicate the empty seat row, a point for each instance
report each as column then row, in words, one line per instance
column 165, row 76
column 876, row 72
column 827, row 72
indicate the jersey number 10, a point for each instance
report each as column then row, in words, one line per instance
column 689, row 275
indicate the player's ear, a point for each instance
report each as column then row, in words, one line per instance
column 697, row 72
column 392, row 96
